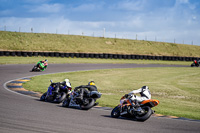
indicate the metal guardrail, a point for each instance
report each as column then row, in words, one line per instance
column 96, row 55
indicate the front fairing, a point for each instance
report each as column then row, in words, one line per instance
column 124, row 102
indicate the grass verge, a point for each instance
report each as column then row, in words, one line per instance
column 177, row 89
column 56, row 60
column 85, row 44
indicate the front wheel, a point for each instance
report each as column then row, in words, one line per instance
column 66, row 102
column 89, row 104
column 61, row 98
column 192, row 65
column 33, row 69
column 146, row 113
column 42, row 98
column 115, row 112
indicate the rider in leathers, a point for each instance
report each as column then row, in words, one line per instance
column 44, row 64
column 62, row 86
column 144, row 92
column 91, row 87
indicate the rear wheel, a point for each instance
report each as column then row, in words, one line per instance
column 147, row 112
column 115, row 112
column 89, row 104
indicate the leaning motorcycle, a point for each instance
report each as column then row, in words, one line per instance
column 39, row 67
column 195, row 63
column 57, row 95
column 141, row 111
column 86, row 103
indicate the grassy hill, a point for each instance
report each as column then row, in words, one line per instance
column 73, row 43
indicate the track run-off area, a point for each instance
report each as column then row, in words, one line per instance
column 25, row 114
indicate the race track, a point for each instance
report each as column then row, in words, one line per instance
column 23, row 114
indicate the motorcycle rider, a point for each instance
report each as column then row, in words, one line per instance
column 66, row 84
column 91, row 87
column 144, row 92
column 43, row 65
column 63, row 85
column 198, row 61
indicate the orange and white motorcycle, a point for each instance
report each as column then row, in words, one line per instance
column 140, row 111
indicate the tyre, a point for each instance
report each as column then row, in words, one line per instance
column 42, row 98
column 66, row 103
column 90, row 104
column 192, row 65
column 146, row 115
column 33, row 69
column 62, row 97
column 115, row 112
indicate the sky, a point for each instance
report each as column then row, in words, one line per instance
column 175, row 21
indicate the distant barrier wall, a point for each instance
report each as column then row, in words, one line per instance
column 96, row 55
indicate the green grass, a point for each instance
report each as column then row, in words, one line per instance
column 56, row 60
column 73, row 43
column 177, row 89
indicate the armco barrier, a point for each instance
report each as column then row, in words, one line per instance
column 96, row 55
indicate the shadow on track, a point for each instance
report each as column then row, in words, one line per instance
column 121, row 118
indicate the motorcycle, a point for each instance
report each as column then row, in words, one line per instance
column 141, row 111
column 57, row 95
column 195, row 63
column 39, row 67
column 87, row 102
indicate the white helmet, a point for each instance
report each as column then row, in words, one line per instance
column 68, row 84
column 66, row 80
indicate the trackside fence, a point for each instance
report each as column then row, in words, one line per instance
column 96, row 55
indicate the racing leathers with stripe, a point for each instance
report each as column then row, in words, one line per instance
column 144, row 92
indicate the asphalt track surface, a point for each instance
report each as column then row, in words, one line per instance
column 23, row 114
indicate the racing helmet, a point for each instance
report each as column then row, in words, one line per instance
column 46, row 60
column 66, row 80
column 145, row 88
column 68, row 84
column 91, row 83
